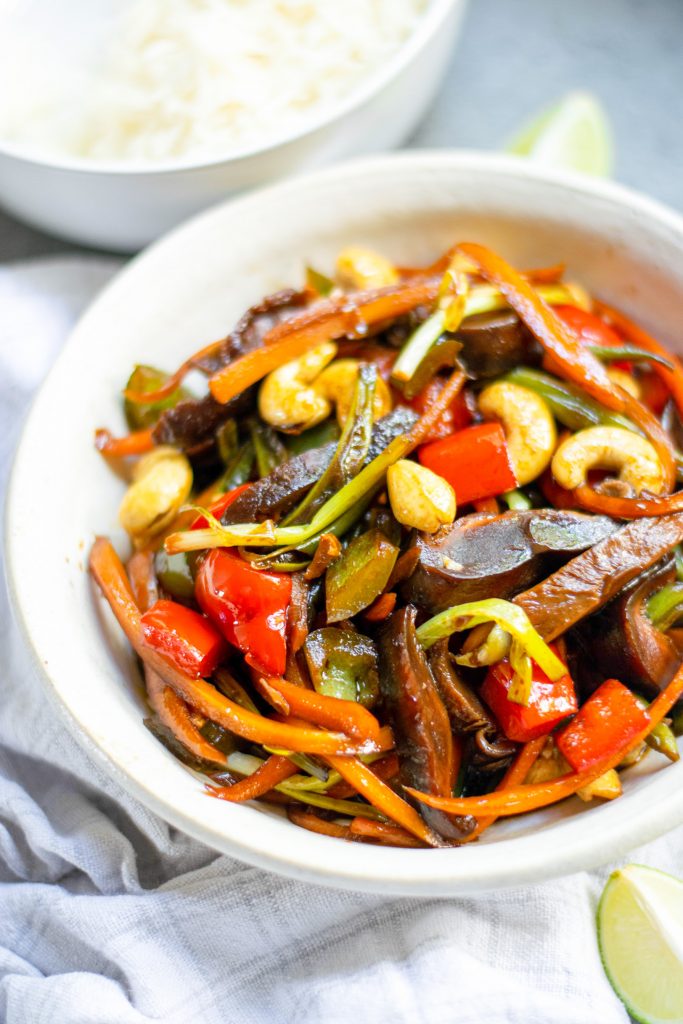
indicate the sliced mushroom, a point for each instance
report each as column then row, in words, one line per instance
column 484, row 555
column 419, row 720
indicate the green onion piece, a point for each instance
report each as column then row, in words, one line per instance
column 634, row 355
column 318, row 282
column 664, row 607
column 568, row 405
column 266, row 534
column 247, row 764
column 526, row 642
column 495, row 647
column 661, row 738
column 417, row 347
column 516, row 501
column 350, row 452
column 348, row 808
column 269, row 450
column 238, row 470
column 303, row 761
column 142, row 415
column 678, row 555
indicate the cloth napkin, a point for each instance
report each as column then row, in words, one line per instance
column 110, row 916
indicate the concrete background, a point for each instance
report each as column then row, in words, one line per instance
column 515, row 56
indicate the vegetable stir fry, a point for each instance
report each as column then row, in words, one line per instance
column 411, row 563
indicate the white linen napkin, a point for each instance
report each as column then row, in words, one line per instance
column 110, row 916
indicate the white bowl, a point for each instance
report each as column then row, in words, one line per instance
column 190, row 288
column 124, row 205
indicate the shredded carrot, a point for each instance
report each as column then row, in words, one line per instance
column 383, row 832
column 386, row 769
column 138, row 443
column 570, row 358
column 173, row 713
column 266, row 777
column 673, row 378
column 139, row 569
column 310, row 821
column 381, row 608
column 514, row 776
column 627, row 508
column 175, row 380
column 107, row 570
column 329, row 712
column 518, row 800
column 325, row 321
column 383, row 798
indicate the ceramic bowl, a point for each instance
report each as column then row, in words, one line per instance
column 190, row 288
column 125, row 205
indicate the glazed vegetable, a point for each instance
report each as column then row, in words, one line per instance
column 591, row 579
column 183, row 637
column 359, row 575
column 419, row 719
column 549, row 702
column 610, row 717
column 325, row 532
column 248, row 606
column 343, row 663
column 475, row 462
column 483, row 555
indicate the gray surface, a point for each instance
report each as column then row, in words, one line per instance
column 517, row 55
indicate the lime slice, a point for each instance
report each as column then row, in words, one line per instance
column 640, row 931
column 573, row 135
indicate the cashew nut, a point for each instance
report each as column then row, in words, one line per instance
column 625, row 381
column 528, row 424
column 337, row 384
column 162, row 481
column 420, row 498
column 358, row 267
column 611, row 448
column 288, row 398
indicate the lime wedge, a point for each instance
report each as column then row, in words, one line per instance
column 574, row 135
column 640, row 931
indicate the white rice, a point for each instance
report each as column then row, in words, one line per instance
column 202, row 78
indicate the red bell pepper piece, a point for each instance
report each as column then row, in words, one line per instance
column 591, row 330
column 218, row 507
column 475, row 462
column 608, row 720
column 456, row 416
column 548, row 703
column 184, row 637
column 247, row 605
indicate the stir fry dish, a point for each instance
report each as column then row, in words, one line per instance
column 412, row 562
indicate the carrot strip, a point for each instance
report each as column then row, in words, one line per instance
column 386, row 769
column 383, row 832
column 310, row 821
column 381, row 796
column 109, row 573
column 171, row 709
column 139, row 569
column 518, row 800
column 329, row 712
column 381, row 608
column 424, row 426
column 570, row 358
column 327, row 320
column 136, row 443
column 173, row 713
column 175, row 380
column 672, row 378
column 627, row 508
column 266, row 777
column 514, row 776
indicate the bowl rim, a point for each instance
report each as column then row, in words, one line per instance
column 369, row 86
column 653, row 810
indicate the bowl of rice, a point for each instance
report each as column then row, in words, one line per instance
column 119, row 120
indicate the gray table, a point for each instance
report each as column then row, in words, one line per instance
column 515, row 56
